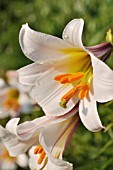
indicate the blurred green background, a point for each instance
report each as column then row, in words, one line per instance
column 87, row 151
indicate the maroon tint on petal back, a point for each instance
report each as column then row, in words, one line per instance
column 101, row 51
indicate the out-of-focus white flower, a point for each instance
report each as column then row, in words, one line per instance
column 14, row 98
column 10, row 163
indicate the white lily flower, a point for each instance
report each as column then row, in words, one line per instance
column 66, row 72
column 13, row 102
column 53, row 140
column 50, row 134
column 10, row 163
column 13, row 98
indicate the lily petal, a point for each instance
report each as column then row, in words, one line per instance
column 102, row 81
column 42, row 79
column 89, row 115
column 26, row 130
column 11, row 140
column 18, row 139
column 58, row 164
column 8, row 165
column 73, row 32
column 40, row 47
column 54, row 138
column 28, row 75
column 52, row 164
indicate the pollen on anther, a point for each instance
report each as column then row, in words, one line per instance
column 42, row 156
column 83, row 92
column 76, row 77
column 58, row 77
column 39, row 150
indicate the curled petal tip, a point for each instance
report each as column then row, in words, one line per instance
column 25, row 25
column 81, row 19
column 98, row 129
column 104, row 128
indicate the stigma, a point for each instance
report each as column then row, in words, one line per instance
column 80, row 89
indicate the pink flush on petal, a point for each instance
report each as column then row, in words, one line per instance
column 101, row 51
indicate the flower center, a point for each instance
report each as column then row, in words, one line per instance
column 81, row 88
column 13, row 93
column 12, row 100
column 39, row 150
column 11, row 104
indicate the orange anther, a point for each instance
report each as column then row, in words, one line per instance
column 7, row 104
column 11, row 104
column 69, row 78
column 64, row 80
column 42, row 156
column 69, row 94
column 38, row 149
column 76, row 77
column 58, row 77
column 83, row 92
column 81, row 86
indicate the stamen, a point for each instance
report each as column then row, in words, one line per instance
column 83, row 91
column 68, row 96
column 11, row 104
column 69, row 78
column 58, row 77
column 7, row 104
column 42, row 156
column 76, row 77
column 64, row 80
column 82, row 87
column 39, row 150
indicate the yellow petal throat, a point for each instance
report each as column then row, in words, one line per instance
column 78, row 65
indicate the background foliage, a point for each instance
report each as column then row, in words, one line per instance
column 86, row 150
